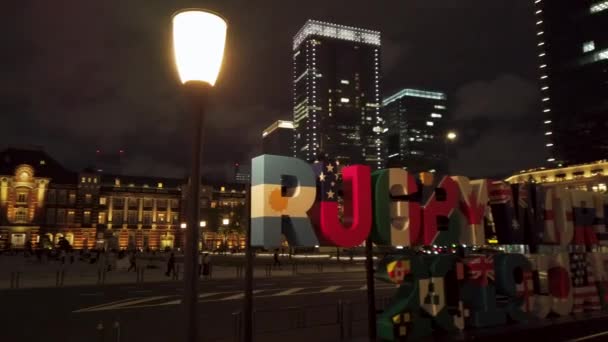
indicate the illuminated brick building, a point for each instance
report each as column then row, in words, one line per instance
column 42, row 202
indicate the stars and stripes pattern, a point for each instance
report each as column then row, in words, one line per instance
column 328, row 181
column 585, row 293
column 481, row 269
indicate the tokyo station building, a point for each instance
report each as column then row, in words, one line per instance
column 42, row 202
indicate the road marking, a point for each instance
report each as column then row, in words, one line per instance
column 104, row 304
column 226, row 286
column 92, row 294
column 364, row 287
column 200, row 296
column 128, row 303
column 123, row 304
column 239, row 295
column 330, row 289
column 589, row 337
column 289, row 291
column 142, row 291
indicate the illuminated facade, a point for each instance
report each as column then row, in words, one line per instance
column 42, row 202
column 223, row 211
column 337, row 94
column 573, row 65
column 416, row 129
column 277, row 139
column 588, row 177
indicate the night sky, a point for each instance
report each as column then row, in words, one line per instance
column 82, row 75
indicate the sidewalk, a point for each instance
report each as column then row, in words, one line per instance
column 29, row 273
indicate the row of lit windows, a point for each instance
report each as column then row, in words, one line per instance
column 599, row 7
column 544, row 87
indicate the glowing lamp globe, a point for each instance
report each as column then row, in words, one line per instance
column 199, row 38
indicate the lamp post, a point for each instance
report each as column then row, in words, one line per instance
column 199, row 38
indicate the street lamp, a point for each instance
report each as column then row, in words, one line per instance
column 225, row 222
column 450, row 137
column 199, row 38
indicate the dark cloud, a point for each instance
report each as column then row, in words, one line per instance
column 81, row 75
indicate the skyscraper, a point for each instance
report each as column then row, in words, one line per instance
column 416, row 130
column 277, row 139
column 336, row 71
column 573, row 64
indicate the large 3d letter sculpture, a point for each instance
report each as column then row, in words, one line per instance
column 423, row 300
column 439, row 227
column 473, row 202
column 583, row 208
column 559, row 228
column 282, row 191
column 479, row 292
column 357, row 214
column 396, row 219
column 514, row 280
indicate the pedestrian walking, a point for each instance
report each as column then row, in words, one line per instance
column 170, row 265
column 277, row 262
column 132, row 263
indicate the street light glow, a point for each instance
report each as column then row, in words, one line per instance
column 183, row 226
column 451, row 135
column 225, row 222
column 199, row 38
column 203, row 224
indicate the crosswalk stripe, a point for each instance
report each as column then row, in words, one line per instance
column 364, row 287
column 330, row 289
column 200, row 296
column 289, row 291
column 123, row 304
column 239, row 295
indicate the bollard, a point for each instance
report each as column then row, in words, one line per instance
column 15, row 279
column 349, row 320
column 340, row 317
column 175, row 275
column 59, row 277
column 237, row 319
column 294, row 268
column 268, row 268
column 117, row 330
column 239, row 271
column 100, row 331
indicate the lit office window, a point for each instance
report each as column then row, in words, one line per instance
column 430, row 123
column 435, row 115
column 588, row 46
column 548, row 133
column 345, row 100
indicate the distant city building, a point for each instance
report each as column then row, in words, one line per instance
column 587, row 177
column 337, row 93
column 416, row 130
column 277, row 139
column 242, row 173
column 573, row 65
column 41, row 203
